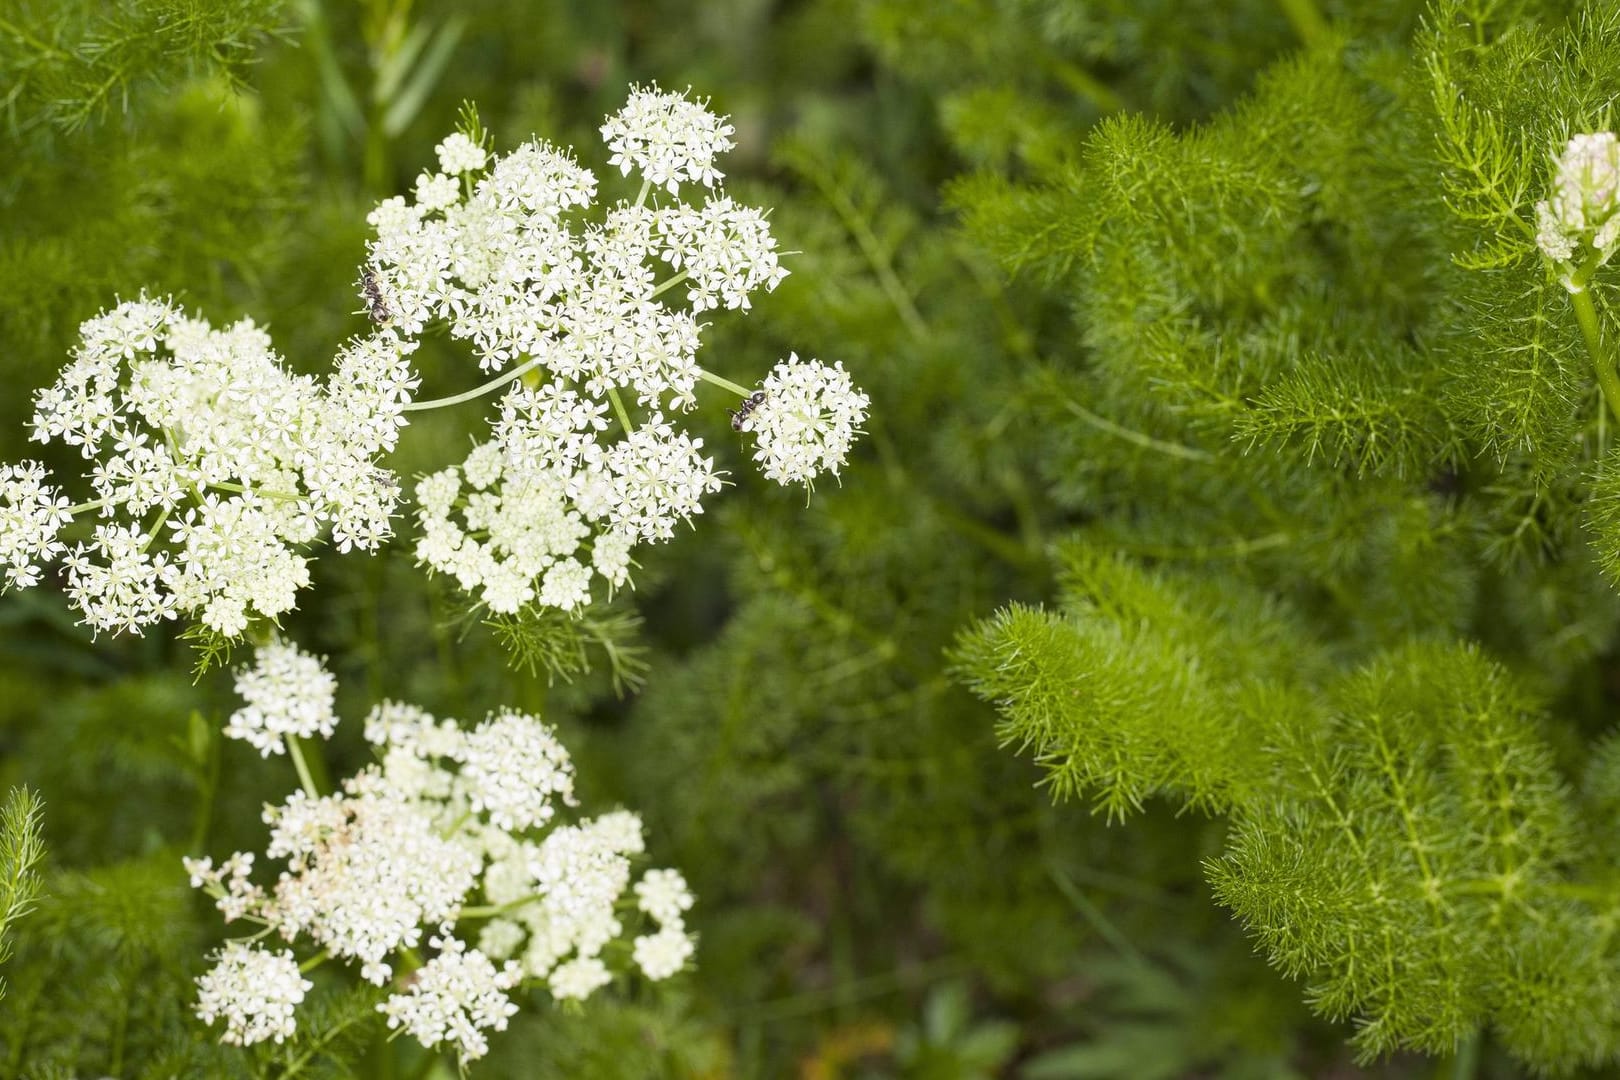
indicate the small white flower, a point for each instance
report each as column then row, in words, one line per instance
column 513, row 768
column 663, row 895
column 807, row 422
column 32, row 514
column 288, row 692
column 436, row 191
column 501, row 938
column 726, row 249
column 566, row 585
column 663, row 954
column 454, row 998
column 579, row 979
column 669, row 138
column 255, row 991
column 459, row 154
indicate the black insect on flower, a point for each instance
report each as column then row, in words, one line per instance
column 742, row 413
column 379, row 308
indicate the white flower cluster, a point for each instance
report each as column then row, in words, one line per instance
column 1584, row 207
column 567, row 486
column 532, row 499
column 663, row 895
column 287, row 692
column 668, row 139
column 450, row 825
column 807, row 419
column 32, row 514
column 454, row 998
column 255, row 991
column 213, row 468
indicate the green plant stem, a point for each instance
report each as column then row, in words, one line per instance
column 1306, row 20
column 668, row 283
column 877, row 256
column 723, row 382
column 313, row 962
column 296, row 751
column 478, row 391
column 94, row 504
column 619, row 410
column 157, row 527
column 490, row 911
column 1147, row 442
column 1465, row 1063
column 243, row 489
column 1602, row 359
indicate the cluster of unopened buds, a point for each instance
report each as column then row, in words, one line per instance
column 213, row 470
column 451, row 827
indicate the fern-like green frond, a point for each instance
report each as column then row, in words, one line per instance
column 22, row 850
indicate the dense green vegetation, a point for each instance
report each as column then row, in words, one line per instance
column 1205, row 665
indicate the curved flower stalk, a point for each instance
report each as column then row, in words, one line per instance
column 464, row 840
column 214, row 470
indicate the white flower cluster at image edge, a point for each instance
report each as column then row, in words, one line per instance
column 398, row 855
column 213, row 469
column 1583, row 211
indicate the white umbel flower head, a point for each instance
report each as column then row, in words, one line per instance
column 1583, row 210
column 668, row 138
column 32, row 513
column 663, row 895
column 451, row 827
column 726, row 249
column 455, row 998
column 808, row 419
column 459, row 154
column 288, row 692
column 579, row 979
column 514, row 768
column 662, row 954
column 213, row 466
column 254, row 991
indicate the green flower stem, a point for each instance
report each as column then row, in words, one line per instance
column 496, row 383
column 1465, row 1062
column 1603, row 361
column 94, row 504
column 450, row 830
column 1306, row 20
column 667, row 284
column 243, row 489
column 619, row 410
column 306, row 779
column 157, row 528
column 723, row 382
column 641, row 196
column 312, row 963
column 490, row 911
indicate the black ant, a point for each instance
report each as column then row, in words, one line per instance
column 746, row 409
column 379, row 308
